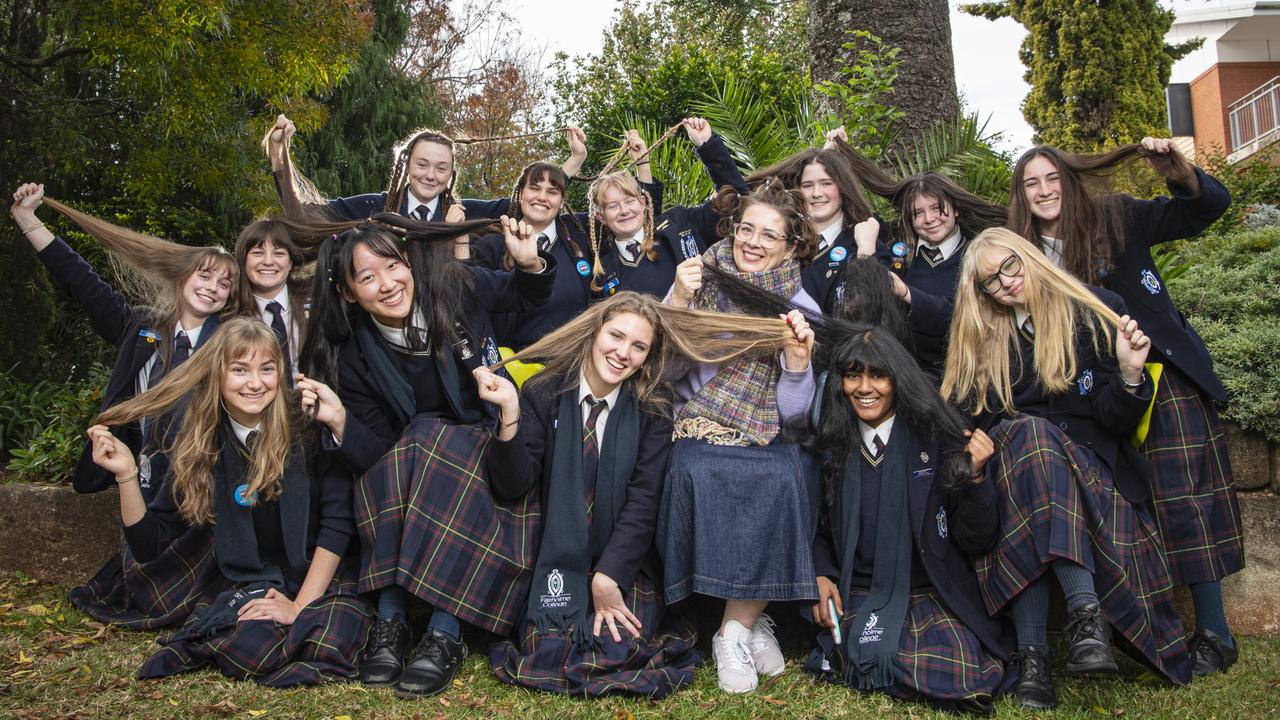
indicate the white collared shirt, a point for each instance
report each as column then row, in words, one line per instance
column 1021, row 316
column 882, row 431
column 828, row 236
column 149, row 368
column 610, row 400
column 283, row 298
column 622, row 243
column 946, row 247
column 397, row 338
column 550, row 232
column 414, row 202
column 1052, row 248
column 242, row 432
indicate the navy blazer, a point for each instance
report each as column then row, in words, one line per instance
column 133, row 331
column 372, row 427
column 331, row 523
column 689, row 231
column 948, row 528
column 630, row 549
column 1135, row 277
column 1096, row 411
column 824, row 277
column 360, row 207
column 570, row 289
column 933, row 301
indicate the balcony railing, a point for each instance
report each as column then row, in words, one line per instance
column 1255, row 120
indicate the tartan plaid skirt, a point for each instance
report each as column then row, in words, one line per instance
column 320, row 646
column 1057, row 501
column 939, row 659
column 156, row 594
column 656, row 665
column 429, row 524
column 1191, row 486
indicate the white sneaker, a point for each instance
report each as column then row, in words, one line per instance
column 765, row 652
column 734, row 669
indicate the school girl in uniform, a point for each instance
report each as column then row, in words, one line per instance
column 189, row 287
column 421, row 185
column 1107, row 240
column 597, row 430
column 537, row 200
column 397, row 327
column 645, row 249
column 907, row 506
column 840, row 214
column 739, row 505
column 1058, row 376
column 280, row 512
column 269, row 289
column 937, row 220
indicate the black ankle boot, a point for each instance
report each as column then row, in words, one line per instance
column 383, row 656
column 1035, row 680
column 1090, row 637
column 432, row 666
column 1210, row 653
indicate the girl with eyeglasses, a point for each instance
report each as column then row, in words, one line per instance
column 1054, row 372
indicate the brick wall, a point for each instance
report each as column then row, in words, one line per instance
column 1212, row 94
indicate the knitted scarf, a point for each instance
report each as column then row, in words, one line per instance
column 739, row 405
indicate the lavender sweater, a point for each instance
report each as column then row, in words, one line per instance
column 795, row 387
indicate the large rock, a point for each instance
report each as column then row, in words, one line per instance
column 54, row 534
column 1253, row 606
column 1250, row 455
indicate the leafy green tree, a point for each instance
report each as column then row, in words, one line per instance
column 1097, row 70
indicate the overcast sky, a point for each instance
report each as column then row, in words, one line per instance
column 988, row 73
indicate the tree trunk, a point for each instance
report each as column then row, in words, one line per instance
column 926, row 85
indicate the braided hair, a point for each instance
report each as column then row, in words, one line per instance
column 402, row 153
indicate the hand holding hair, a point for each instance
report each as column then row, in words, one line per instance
column 865, row 234
column 981, row 448
column 832, row 135
column 1163, row 157
column 611, row 609
column 282, row 132
column 521, row 244
column 495, row 389
column 799, row 347
column 1132, row 348
column 698, row 130
column 112, row 455
column 688, row 281
column 320, row 402
column 900, row 288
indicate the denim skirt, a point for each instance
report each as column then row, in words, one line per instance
column 737, row 523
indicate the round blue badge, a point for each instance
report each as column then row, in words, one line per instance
column 584, row 268
column 242, row 496
column 900, row 249
column 839, row 253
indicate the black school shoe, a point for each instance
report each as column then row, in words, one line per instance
column 1210, row 653
column 432, row 666
column 383, row 656
column 1090, row 650
column 1035, row 680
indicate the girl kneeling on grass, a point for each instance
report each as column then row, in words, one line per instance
column 907, row 505
column 246, row 463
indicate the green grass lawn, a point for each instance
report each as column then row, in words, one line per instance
column 57, row 663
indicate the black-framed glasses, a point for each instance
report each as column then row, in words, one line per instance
column 1010, row 268
column 745, row 231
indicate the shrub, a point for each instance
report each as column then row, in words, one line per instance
column 43, row 424
column 1230, row 295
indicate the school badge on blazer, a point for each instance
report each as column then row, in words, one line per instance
column 1085, row 382
column 688, row 245
column 1150, row 281
column 941, row 517
column 556, row 597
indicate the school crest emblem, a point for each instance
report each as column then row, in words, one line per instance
column 1085, row 382
column 924, row 457
column 1150, row 282
column 871, row 632
column 491, row 356
column 941, row 517
column 556, row 597
column 688, row 245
